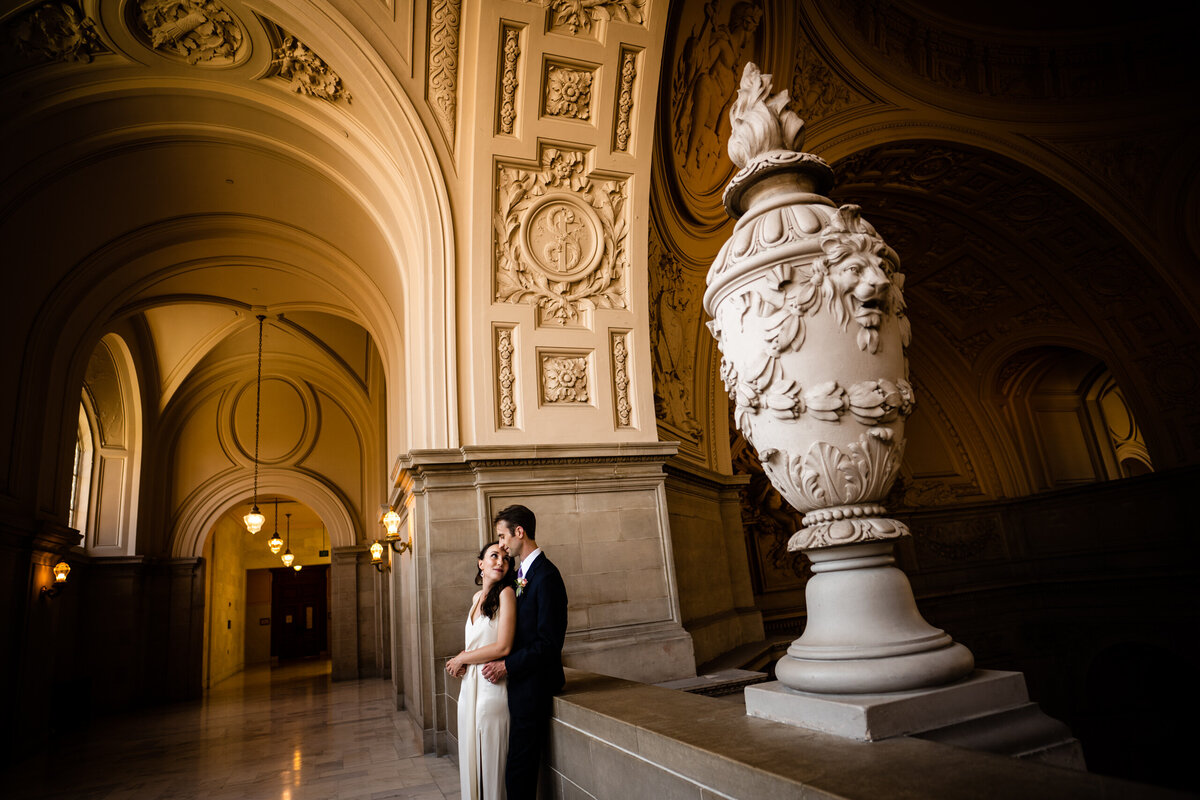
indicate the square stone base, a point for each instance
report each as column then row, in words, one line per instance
column 870, row 717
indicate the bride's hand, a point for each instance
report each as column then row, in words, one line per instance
column 455, row 666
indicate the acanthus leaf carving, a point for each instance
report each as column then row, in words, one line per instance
column 55, row 31
column 561, row 238
column 581, row 15
column 445, row 20
column 829, row 476
column 307, row 72
column 195, row 30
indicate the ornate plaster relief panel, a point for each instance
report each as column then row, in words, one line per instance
column 200, row 32
column 567, row 92
column 49, row 32
column 561, row 221
column 445, row 22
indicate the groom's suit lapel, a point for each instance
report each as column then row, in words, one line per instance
column 529, row 578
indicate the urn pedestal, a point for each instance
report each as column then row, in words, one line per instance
column 808, row 311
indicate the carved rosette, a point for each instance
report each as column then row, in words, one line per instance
column 201, row 32
column 564, row 379
column 568, row 92
column 561, row 238
column 808, row 312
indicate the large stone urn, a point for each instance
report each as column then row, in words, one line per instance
column 808, row 311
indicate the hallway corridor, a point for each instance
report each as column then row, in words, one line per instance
column 289, row 733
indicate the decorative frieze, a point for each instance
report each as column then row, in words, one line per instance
column 560, row 237
column 576, row 16
column 54, row 31
column 625, row 101
column 307, row 73
column 620, row 377
column 674, row 321
column 506, row 406
column 201, row 32
column 568, row 92
column 510, row 77
column 564, row 378
column 445, row 20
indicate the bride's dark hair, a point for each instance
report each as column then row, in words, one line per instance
column 491, row 603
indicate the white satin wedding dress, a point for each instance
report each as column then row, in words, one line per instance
column 482, row 719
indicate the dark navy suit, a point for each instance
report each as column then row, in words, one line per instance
column 535, row 673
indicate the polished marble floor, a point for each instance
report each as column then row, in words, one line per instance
column 288, row 733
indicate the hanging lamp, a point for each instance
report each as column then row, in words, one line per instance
column 275, row 543
column 254, row 520
column 287, row 556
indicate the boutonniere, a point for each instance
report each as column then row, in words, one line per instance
column 521, row 584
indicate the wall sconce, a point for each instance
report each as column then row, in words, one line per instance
column 298, row 567
column 391, row 523
column 61, row 570
column 377, row 555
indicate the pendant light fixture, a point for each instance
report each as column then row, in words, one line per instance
column 254, row 520
column 287, row 556
column 275, row 543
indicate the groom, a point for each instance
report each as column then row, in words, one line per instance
column 534, row 666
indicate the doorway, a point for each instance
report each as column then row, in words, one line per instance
column 299, row 612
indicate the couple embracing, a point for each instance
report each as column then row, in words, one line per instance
column 512, row 664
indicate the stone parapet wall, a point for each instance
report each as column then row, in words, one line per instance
column 611, row 738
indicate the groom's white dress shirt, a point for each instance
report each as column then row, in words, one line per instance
column 527, row 561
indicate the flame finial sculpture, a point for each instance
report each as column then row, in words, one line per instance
column 808, row 310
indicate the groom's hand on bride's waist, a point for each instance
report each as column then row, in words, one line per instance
column 494, row 670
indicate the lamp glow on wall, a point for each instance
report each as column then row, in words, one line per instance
column 61, row 570
column 275, row 543
column 255, row 519
column 287, row 556
column 391, row 524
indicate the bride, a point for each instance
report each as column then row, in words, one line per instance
column 483, row 706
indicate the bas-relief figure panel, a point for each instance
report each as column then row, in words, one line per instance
column 721, row 38
column 675, row 320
